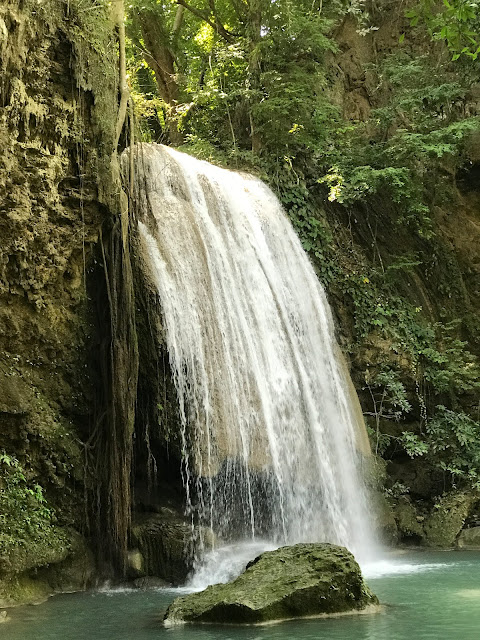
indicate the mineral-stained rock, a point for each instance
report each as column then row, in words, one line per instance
column 292, row 582
column 58, row 188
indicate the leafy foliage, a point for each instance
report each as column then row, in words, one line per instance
column 399, row 147
column 413, row 444
column 257, row 90
column 24, row 512
column 453, row 440
column 457, row 22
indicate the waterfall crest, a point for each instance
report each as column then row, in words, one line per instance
column 271, row 434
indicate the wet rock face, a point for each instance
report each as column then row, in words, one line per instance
column 57, row 120
column 164, row 543
column 162, row 539
column 291, row 582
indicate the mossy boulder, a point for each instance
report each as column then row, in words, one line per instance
column 23, row 589
column 161, row 539
column 300, row 581
column 437, row 525
column 49, row 546
column 448, row 517
column 469, row 538
column 76, row 572
column 409, row 521
column 65, row 566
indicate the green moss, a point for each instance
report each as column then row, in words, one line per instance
column 447, row 518
column 58, row 100
column 299, row 581
column 23, row 590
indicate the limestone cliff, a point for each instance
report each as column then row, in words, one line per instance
column 58, row 109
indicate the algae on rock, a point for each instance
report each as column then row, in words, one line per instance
column 303, row 580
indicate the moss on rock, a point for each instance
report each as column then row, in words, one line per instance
column 23, row 590
column 58, row 106
column 292, row 582
column 56, row 562
column 409, row 522
column 436, row 525
column 469, row 539
column 75, row 572
column 447, row 518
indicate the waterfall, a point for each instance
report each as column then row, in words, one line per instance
column 273, row 442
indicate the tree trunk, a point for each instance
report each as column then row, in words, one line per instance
column 254, row 65
column 161, row 59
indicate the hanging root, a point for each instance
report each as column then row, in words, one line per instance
column 116, row 418
column 119, row 356
column 118, row 12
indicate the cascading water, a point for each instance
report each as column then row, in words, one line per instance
column 272, row 440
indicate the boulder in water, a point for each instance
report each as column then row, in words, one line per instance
column 300, row 581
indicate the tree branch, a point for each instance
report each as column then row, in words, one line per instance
column 177, row 25
column 216, row 25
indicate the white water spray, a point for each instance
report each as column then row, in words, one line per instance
column 271, row 431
